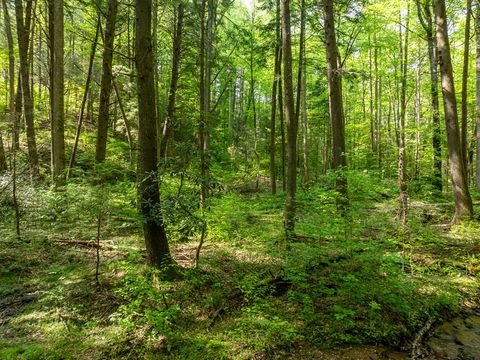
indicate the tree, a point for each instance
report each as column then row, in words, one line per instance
column 290, row 208
column 337, row 118
column 153, row 228
column 23, row 33
column 275, row 83
column 57, row 68
column 466, row 55
column 426, row 20
column 402, row 167
column 84, row 98
column 177, row 48
column 463, row 201
column 106, row 85
column 477, row 74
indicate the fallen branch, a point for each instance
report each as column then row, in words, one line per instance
column 417, row 342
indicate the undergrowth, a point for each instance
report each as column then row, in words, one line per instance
column 358, row 279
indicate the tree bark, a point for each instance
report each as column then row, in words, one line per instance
column 23, row 27
column 281, row 120
column 426, row 20
column 337, row 118
column 402, row 168
column 148, row 193
column 463, row 201
column 11, row 87
column 477, row 74
column 169, row 117
column 58, row 119
column 276, row 78
column 466, row 53
column 106, row 85
column 290, row 209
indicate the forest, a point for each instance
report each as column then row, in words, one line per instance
column 240, row 179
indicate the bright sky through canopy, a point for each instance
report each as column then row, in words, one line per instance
column 248, row 4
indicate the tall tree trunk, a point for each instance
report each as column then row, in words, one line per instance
column 301, row 60
column 11, row 84
column 337, row 118
column 402, row 168
column 304, row 123
column 58, row 120
column 153, row 228
column 282, row 122
column 477, row 74
column 11, row 71
column 23, row 27
column 84, row 98
column 106, row 85
column 276, row 79
column 169, row 117
column 204, row 105
column 463, row 201
column 290, row 209
column 301, row 90
column 425, row 17
column 466, row 53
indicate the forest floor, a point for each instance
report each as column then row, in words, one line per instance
column 359, row 287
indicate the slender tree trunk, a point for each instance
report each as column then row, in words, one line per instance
column 125, row 120
column 276, row 79
column 58, row 120
column 169, row 118
column 477, row 74
column 11, row 72
column 153, row 228
column 253, row 100
column 402, row 168
column 466, row 53
column 305, row 124
column 23, row 27
column 106, row 85
column 337, row 117
column 463, row 201
column 301, row 60
column 290, row 209
column 282, row 122
column 84, row 99
column 11, row 85
column 301, row 89
column 417, row 111
column 425, row 17
column 204, row 105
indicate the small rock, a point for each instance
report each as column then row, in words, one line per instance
column 445, row 331
column 468, row 338
column 444, row 349
column 473, row 322
column 458, row 323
